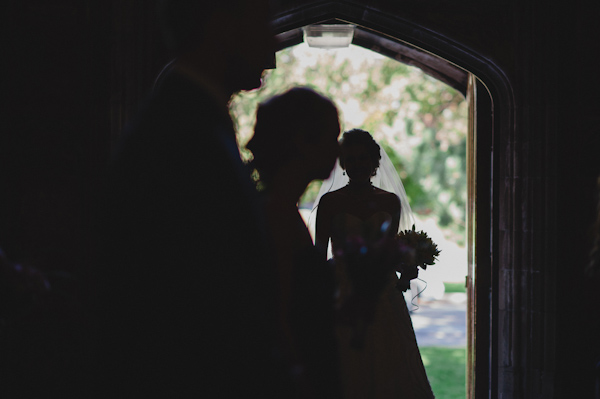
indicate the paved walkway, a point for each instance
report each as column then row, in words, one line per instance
column 441, row 322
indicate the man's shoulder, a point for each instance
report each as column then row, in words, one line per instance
column 171, row 114
column 184, row 102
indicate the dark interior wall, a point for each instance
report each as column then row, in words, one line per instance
column 53, row 144
column 577, row 154
column 54, row 118
column 75, row 72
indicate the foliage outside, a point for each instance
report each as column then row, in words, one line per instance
column 420, row 122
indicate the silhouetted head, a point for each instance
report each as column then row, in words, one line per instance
column 360, row 154
column 234, row 35
column 298, row 124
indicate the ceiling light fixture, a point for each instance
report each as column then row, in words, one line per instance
column 328, row 36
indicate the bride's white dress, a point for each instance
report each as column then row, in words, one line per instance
column 389, row 364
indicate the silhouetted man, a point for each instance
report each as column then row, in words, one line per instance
column 186, row 288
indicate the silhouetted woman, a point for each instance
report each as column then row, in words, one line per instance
column 387, row 362
column 295, row 142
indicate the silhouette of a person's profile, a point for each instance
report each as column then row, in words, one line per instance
column 295, row 142
column 187, row 290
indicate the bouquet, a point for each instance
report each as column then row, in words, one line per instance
column 416, row 250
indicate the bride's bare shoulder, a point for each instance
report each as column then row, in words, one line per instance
column 384, row 193
column 387, row 196
column 333, row 197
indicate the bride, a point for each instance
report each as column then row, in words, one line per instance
column 388, row 362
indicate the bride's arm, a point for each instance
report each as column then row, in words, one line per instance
column 323, row 226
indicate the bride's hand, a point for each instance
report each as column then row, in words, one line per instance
column 406, row 276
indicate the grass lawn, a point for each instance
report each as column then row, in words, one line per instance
column 455, row 287
column 446, row 370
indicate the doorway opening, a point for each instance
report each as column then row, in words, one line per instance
column 423, row 125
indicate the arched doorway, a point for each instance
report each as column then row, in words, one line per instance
column 421, row 123
column 490, row 111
